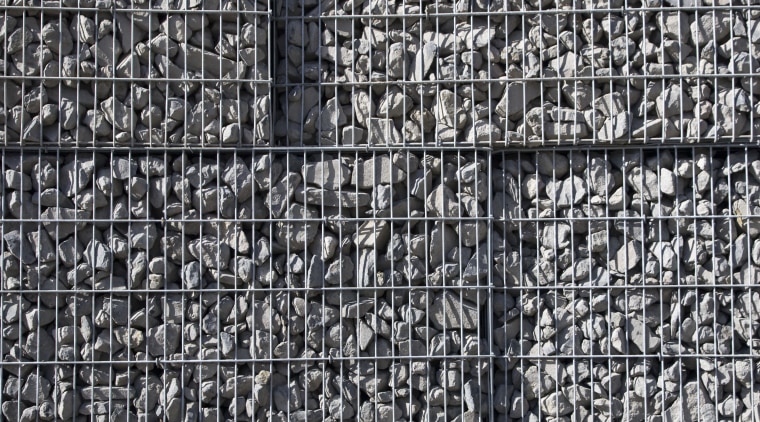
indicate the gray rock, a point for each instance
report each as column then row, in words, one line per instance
column 329, row 174
column 711, row 26
column 118, row 115
column 567, row 65
column 568, row 192
column 98, row 256
column 645, row 182
column 36, row 389
column 282, row 193
column 377, row 170
column 298, row 230
column 191, row 275
column 17, row 180
column 601, row 178
column 42, row 245
column 394, row 104
column 611, row 104
column 210, row 251
column 668, row 182
column 692, row 404
column 163, row 340
column 381, row 197
column 627, row 257
column 75, row 176
column 19, row 247
column 383, row 132
column 642, row 336
column 449, row 312
column 208, row 62
column 315, row 277
column 348, row 199
column 70, row 251
column 373, row 234
column 615, row 127
column 556, row 404
column 443, row 202
column 516, row 96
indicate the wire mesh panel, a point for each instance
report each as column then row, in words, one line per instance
column 386, row 73
column 121, row 73
column 245, row 286
column 516, row 72
column 625, row 285
column 366, row 249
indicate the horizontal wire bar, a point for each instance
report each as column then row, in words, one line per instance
column 256, row 360
column 247, row 220
column 351, row 290
column 390, row 82
column 250, row 288
column 448, row 357
column 115, row 9
column 543, row 80
column 152, row 81
column 641, row 356
column 528, row 146
column 463, row 218
column 619, row 218
column 694, row 8
column 729, row 286
column 525, row 12
column 245, row 149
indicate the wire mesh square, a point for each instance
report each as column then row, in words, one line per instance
column 226, row 285
column 624, row 285
column 516, row 73
column 368, row 247
column 123, row 73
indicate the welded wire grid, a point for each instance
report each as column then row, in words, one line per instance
column 516, row 73
column 136, row 73
column 272, row 304
column 272, row 285
column 438, row 279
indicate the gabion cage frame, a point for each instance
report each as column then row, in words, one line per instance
column 380, row 210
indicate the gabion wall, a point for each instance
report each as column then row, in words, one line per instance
column 375, row 210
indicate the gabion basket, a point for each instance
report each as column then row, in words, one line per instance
column 379, row 210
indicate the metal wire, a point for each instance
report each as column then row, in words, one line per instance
column 304, row 223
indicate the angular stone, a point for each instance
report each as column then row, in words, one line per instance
column 118, row 115
column 332, row 116
column 98, row 255
column 329, row 174
column 373, row 234
column 36, row 389
column 568, row 192
column 164, row 339
column 449, row 312
column 610, row 104
column 567, row 65
column 711, row 26
column 383, row 132
column 627, row 257
column 691, row 405
column 238, row 177
column 19, row 247
column 282, row 193
column 345, row 198
column 642, row 336
column 378, row 170
column 208, row 62
column 516, row 96
column 210, row 251
column 443, row 202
